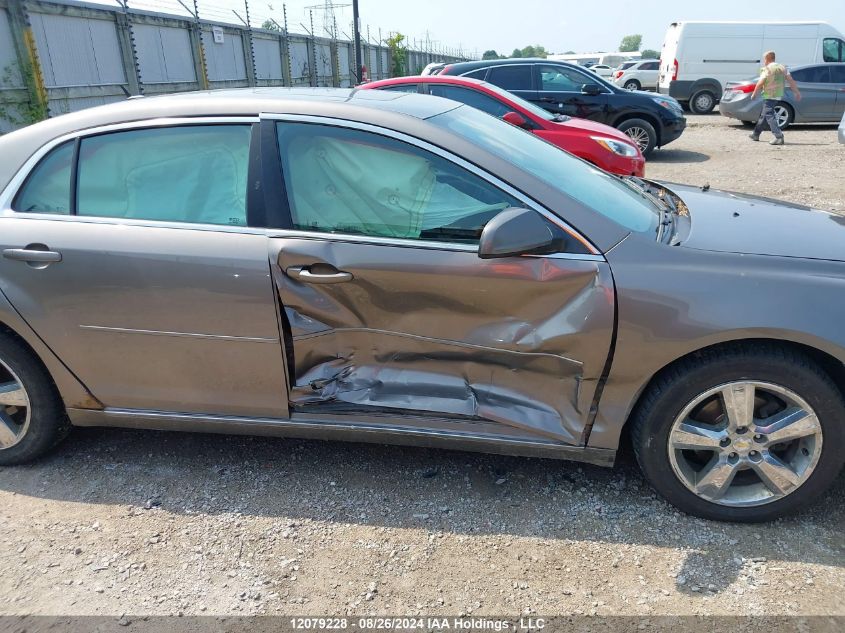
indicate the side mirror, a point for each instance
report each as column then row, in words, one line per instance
column 591, row 89
column 515, row 118
column 517, row 232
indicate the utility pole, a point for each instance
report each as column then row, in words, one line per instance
column 356, row 33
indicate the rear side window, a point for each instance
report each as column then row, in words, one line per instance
column 472, row 98
column 833, row 50
column 511, row 77
column 191, row 174
column 476, row 74
column 650, row 66
column 340, row 180
column 47, row 190
column 813, row 74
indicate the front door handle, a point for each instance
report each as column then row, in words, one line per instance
column 32, row 255
column 331, row 276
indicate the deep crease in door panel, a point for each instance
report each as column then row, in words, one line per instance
column 524, row 344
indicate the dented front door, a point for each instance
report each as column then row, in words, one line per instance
column 438, row 331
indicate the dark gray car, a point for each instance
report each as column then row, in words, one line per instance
column 822, row 89
column 390, row 267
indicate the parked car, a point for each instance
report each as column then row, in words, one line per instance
column 390, row 267
column 640, row 75
column 698, row 59
column 602, row 70
column 822, row 88
column 602, row 145
column 563, row 88
column 842, row 130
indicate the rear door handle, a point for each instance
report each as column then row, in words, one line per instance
column 303, row 273
column 32, row 255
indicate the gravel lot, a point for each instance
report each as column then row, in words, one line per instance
column 118, row 522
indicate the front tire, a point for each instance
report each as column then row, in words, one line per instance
column 32, row 417
column 702, row 102
column 747, row 434
column 641, row 132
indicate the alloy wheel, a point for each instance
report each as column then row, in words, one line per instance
column 14, row 408
column 745, row 443
column 782, row 115
column 639, row 136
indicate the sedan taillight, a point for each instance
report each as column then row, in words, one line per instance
column 744, row 88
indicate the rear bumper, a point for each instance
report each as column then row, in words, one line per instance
column 680, row 90
column 743, row 109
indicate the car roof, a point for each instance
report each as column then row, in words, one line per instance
column 484, row 63
column 354, row 104
column 429, row 79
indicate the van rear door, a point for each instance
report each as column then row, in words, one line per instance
column 668, row 55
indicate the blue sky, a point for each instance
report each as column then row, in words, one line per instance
column 559, row 25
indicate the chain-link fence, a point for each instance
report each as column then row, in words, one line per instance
column 58, row 56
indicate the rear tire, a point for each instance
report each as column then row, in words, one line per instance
column 641, row 132
column 32, row 417
column 654, row 433
column 702, row 102
column 632, row 84
column 785, row 114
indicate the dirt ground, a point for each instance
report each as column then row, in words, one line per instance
column 119, row 522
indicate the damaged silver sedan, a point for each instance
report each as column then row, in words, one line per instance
column 392, row 267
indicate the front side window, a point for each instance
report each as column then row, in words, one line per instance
column 340, row 180
column 838, row 73
column 591, row 186
column 833, row 50
column 47, row 190
column 472, row 98
column 511, row 77
column 562, row 79
column 402, row 88
column 193, row 174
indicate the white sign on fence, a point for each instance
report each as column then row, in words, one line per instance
column 217, row 32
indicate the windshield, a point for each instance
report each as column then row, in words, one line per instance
column 572, row 176
column 536, row 110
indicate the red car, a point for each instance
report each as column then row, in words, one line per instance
column 600, row 144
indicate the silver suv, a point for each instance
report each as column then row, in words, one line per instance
column 641, row 75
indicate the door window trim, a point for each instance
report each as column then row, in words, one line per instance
column 17, row 182
column 452, row 158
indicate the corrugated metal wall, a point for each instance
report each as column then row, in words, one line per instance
column 90, row 55
column 164, row 54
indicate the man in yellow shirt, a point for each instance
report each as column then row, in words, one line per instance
column 772, row 79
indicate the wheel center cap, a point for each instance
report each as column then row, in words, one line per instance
column 742, row 444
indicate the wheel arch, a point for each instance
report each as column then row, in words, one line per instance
column 74, row 394
column 645, row 116
column 707, row 83
column 830, row 364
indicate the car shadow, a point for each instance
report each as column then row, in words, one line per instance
column 437, row 490
column 677, row 156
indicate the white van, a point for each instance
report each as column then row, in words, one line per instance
column 699, row 58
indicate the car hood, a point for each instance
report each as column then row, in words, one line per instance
column 729, row 222
column 593, row 128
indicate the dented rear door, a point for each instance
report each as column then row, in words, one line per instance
column 389, row 319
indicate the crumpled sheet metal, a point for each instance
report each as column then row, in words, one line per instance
column 521, row 341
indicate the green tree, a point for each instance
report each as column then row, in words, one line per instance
column 516, row 53
column 630, row 43
column 648, row 53
column 570, row 53
column 398, row 54
column 528, row 51
column 270, row 25
column 491, row 54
